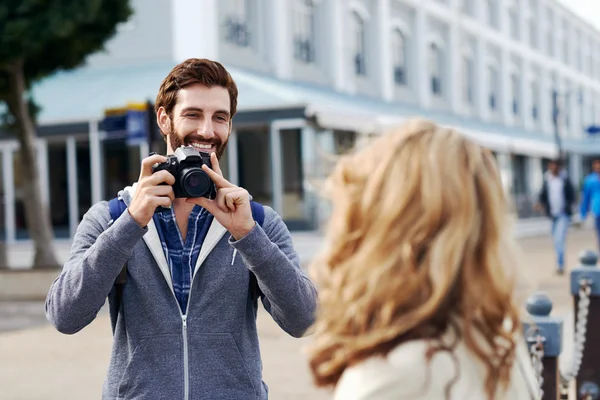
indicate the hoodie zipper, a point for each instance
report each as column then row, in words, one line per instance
column 186, row 369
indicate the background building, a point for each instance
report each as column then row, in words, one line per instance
column 314, row 75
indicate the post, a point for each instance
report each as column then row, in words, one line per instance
column 585, row 288
column 545, row 330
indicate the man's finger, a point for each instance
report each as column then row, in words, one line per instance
column 148, row 162
column 208, row 204
column 216, row 178
column 214, row 160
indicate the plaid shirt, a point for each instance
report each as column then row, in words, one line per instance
column 181, row 256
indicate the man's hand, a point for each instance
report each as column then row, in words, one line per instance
column 232, row 205
column 149, row 193
column 538, row 207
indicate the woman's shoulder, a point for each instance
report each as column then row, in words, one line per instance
column 405, row 373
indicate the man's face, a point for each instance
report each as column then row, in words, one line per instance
column 200, row 118
column 596, row 166
column 553, row 167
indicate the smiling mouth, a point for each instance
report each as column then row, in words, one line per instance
column 204, row 147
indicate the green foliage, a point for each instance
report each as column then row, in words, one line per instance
column 52, row 35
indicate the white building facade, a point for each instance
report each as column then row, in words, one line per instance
column 313, row 74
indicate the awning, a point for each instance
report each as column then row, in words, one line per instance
column 85, row 93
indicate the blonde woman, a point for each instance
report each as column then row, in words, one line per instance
column 415, row 290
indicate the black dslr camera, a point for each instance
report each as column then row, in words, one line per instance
column 186, row 166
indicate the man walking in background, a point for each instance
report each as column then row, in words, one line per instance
column 557, row 198
column 590, row 200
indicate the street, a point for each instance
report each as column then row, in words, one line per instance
column 38, row 363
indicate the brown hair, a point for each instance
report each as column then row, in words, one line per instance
column 195, row 71
column 417, row 245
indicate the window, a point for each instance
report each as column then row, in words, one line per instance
column 468, row 7
column 532, row 27
column 467, row 80
column 514, row 83
column 358, row 36
column 435, row 69
column 492, row 13
column 565, row 42
column 493, row 87
column 535, row 98
column 399, row 52
column 304, row 31
column 513, row 18
column 549, row 33
column 236, row 23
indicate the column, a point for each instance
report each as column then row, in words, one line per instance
column 308, row 152
column 384, row 48
column 536, row 175
column 325, row 142
column 233, row 158
column 506, row 175
column 276, row 167
column 575, row 170
column 73, row 195
column 96, row 162
column 9, row 194
column 421, row 45
column 195, row 29
column 338, row 57
column 144, row 149
column 282, row 38
column 42, row 164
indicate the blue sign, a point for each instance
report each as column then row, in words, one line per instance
column 593, row 129
column 129, row 122
column 137, row 130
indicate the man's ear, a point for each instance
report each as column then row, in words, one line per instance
column 163, row 120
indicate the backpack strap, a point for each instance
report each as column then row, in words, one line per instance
column 258, row 213
column 116, row 207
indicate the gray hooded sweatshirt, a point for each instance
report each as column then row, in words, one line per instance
column 211, row 352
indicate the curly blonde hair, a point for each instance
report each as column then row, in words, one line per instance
column 417, row 240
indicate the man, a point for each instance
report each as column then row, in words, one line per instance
column 557, row 198
column 591, row 197
column 186, row 323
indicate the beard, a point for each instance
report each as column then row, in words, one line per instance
column 176, row 140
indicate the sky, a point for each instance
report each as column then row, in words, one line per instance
column 588, row 10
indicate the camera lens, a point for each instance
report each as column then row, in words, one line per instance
column 196, row 183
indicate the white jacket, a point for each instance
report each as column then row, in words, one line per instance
column 405, row 375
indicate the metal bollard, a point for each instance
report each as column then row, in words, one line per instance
column 585, row 288
column 544, row 339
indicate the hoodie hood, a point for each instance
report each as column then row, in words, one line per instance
column 126, row 194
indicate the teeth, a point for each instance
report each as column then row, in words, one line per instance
column 202, row 146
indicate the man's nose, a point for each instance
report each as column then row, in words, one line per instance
column 206, row 129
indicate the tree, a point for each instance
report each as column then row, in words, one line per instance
column 37, row 39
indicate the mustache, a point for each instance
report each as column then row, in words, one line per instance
column 199, row 138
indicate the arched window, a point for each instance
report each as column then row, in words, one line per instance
column 358, row 49
column 435, row 68
column 399, row 52
column 304, row 30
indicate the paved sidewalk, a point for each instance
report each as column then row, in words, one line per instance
column 42, row 364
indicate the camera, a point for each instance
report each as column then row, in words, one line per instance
column 185, row 164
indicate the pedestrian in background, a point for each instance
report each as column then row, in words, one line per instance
column 590, row 197
column 416, row 283
column 556, row 199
